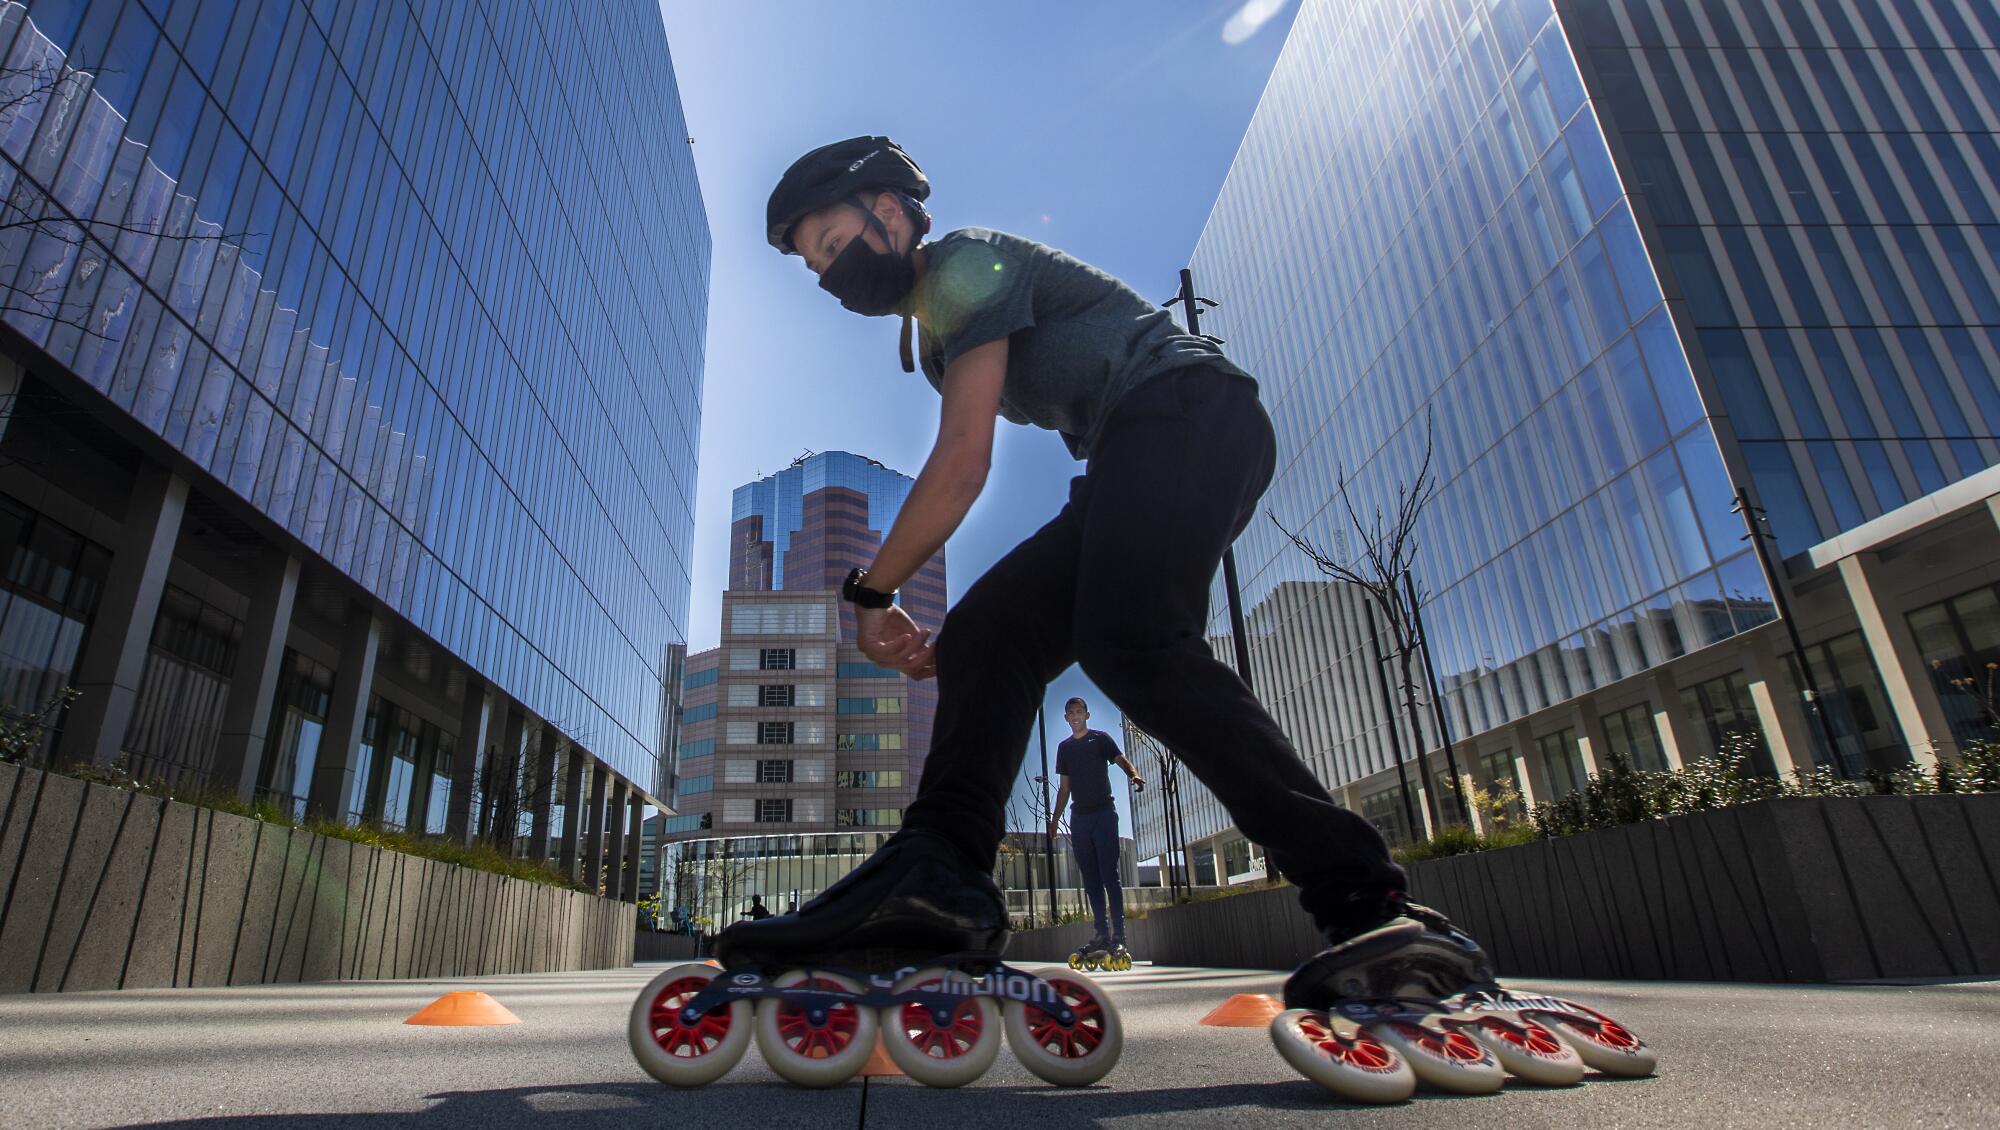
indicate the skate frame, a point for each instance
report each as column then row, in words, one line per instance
column 997, row 979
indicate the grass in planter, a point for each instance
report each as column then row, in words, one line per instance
column 1499, row 809
column 1624, row 795
column 479, row 856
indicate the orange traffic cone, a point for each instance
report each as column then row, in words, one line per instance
column 463, row 1009
column 880, row 1063
column 1244, row 1010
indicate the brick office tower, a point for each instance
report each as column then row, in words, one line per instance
column 808, row 735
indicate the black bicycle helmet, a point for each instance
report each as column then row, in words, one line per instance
column 837, row 172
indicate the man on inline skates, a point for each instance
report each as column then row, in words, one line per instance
column 1178, row 451
column 1082, row 763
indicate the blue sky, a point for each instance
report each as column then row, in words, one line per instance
column 1102, row 128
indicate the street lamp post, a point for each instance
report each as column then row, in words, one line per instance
column 1753, row 518
column 1191, row 305
column 1389, row 719
column 1437, row 703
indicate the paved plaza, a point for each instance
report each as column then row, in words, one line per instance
column 338, row 1055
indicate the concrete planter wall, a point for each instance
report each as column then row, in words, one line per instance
column 1804, row 889
column 103, row 888
column 650, row 945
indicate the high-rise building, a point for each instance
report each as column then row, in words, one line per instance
column 341, row 466
column 786, row 726
column 1612, row 263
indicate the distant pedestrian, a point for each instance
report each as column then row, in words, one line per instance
column 1083, row 760
column 757, row 907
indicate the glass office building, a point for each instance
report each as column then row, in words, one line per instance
column 787, row 726
column 1611, row 262
column 400, row 303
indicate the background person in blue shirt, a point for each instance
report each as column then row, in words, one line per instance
column 1083, row 760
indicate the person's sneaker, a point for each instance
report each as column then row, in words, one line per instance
column 1416, row 955
column 916, row 897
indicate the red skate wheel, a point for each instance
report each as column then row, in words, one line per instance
column 1356, row 1066
column 1526, row 1049
column 1448, row 1060
column 817, row 1044
column 1604, row 1044
column 942, row 1052
column 677, row 1050
column 1075, row 1054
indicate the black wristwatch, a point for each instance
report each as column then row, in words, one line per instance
column 852, row 592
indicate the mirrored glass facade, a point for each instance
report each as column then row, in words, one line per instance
column 1821, row 180
column 1424, row 239
column 767, row 514
column 424, row 283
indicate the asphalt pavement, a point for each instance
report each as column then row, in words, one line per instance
column 338, row 1055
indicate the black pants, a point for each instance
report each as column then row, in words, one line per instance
column 1119, row 583
column 1093, row 839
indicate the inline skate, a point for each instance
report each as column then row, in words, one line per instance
column 1414, row 1000
column 904, row 950
column 1093, row 955
column 1119, row 958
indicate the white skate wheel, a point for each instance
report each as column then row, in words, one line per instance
column 948, row 1055
column 1448, row 1060
column 679, row 1052
column 1527, row 1050
column 822, row 1052
column 1069, row 1055
column 1357, row 1067
column 1604, row 1044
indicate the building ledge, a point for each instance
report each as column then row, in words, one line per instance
column 1951, row 501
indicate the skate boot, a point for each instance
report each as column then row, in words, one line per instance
column 1413, row 999
column 1091, row 956
column 1120, row 957
column 917, row 897
column 906, row 951
column 1416, row 954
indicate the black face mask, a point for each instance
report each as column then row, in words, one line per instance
column 868, row 281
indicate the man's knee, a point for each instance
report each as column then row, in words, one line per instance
column 1106, row 664
column 973, row 616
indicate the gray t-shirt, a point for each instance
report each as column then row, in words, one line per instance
column 1078, row 340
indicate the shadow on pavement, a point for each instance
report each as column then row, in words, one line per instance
column 590, row 1106
column 603, row 1106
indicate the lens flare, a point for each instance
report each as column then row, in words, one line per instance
column 1250, row 17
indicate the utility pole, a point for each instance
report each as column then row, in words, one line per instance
column 1048, row 837
column 1176, row 826
column 1437, row 704
column 1753, row 520
column 1191, row 305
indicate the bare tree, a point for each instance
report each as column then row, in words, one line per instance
column 707, row 885
column 512, row 788
column 1177, row 874
column 1382, row 567
column 1014, row 859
